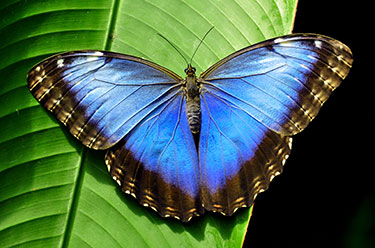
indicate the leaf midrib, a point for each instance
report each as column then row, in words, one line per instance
column 112, row 24
column 73, row 208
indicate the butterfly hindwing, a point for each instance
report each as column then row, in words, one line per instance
column 158, row 164
column 101, row 96
column 239, row 156
column 281, row 82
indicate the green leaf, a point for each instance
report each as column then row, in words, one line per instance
column 53, row 191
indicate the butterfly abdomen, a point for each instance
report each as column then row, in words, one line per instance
column 193, row 110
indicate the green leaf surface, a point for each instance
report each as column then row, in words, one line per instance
column 53, row 191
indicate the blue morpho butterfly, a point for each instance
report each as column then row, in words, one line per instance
column 183, row 146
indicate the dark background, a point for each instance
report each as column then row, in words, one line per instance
column 325, row 196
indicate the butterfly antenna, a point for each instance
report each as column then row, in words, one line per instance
column 175, row 48
column 191, row 60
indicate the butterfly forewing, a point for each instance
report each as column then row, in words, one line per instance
column 101, row 96
column 282, row 82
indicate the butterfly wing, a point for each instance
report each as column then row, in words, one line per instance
column 238, row 155
column 158, row 163
column 251, row 102
column 135, row 109
column 282, row 82
column 101, row 96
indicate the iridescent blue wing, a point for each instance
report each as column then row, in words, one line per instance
column 101, row 96
column 238, row 155
column 252, row 101
column 135, row 109
column 158, row 162
column 282, row 82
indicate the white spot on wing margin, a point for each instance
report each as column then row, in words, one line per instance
column 60, row 63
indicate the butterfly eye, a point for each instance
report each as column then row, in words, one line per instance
column 185, row 70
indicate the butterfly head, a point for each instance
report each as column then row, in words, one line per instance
column 190, row 71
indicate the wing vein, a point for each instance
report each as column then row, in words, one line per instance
column 137, row 112
column 249, row 104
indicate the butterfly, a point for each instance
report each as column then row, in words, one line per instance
column 183, row 146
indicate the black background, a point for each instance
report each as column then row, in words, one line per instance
column 325, row 196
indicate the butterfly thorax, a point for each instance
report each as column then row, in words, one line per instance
column 192, row 96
